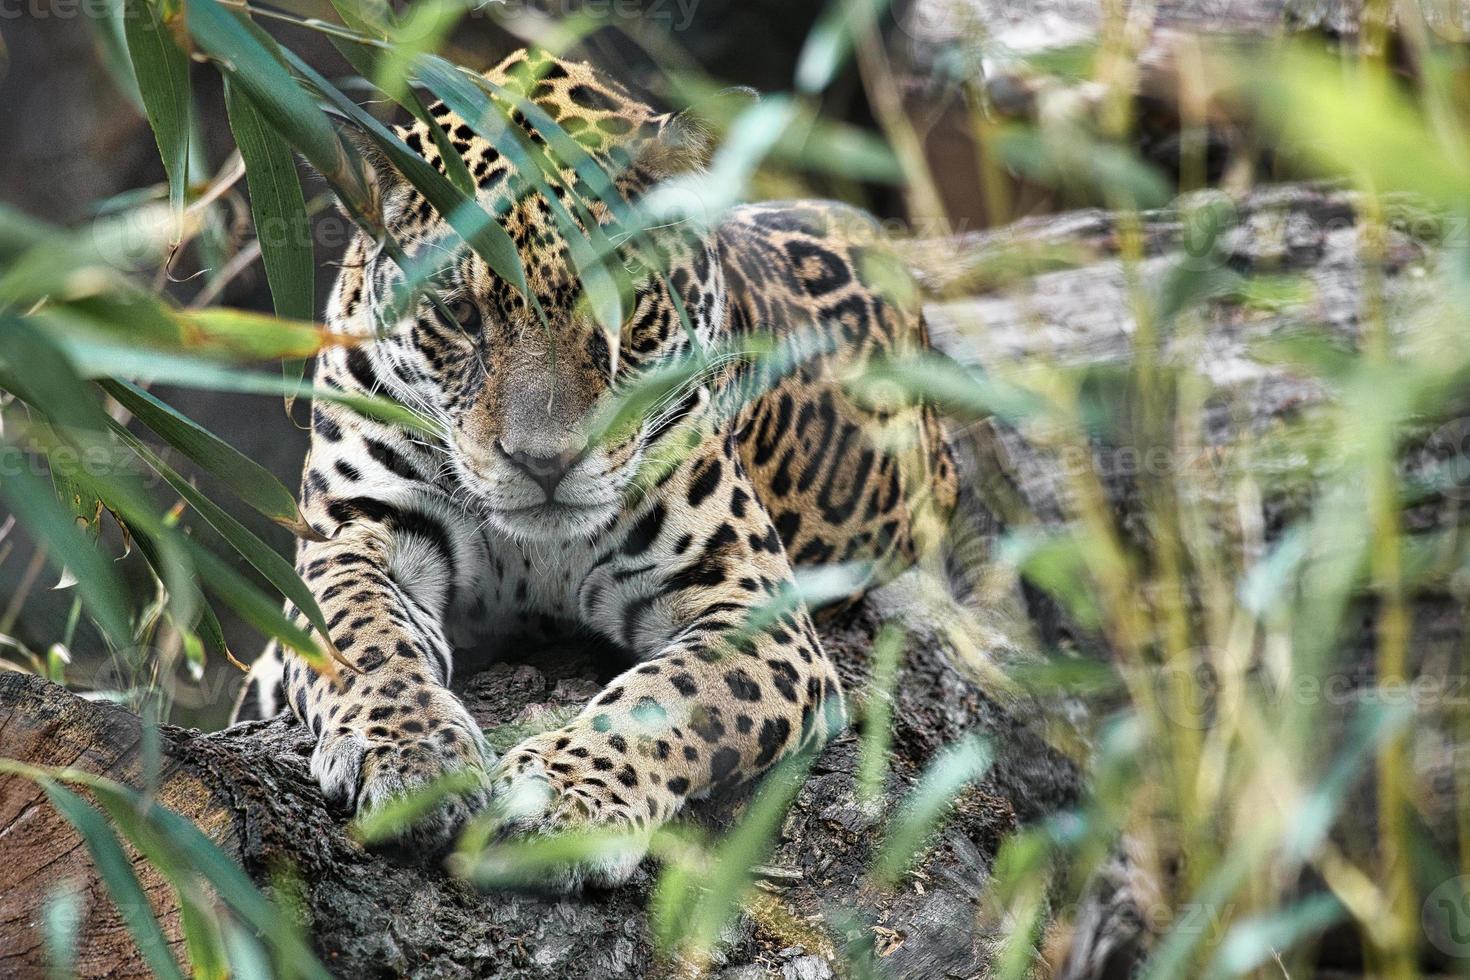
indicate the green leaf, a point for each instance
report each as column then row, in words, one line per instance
column 253, row 61
column 1310, row 820
column 829, row 42
column 1253, row 942
column 963, row 391
column 691, row 906
column 568, row 151
column 253, row 606
column 187, row 597
column 248, row 959
column 389, row 820
column 162, row 71
column 116, row 872
column 100, row 358
column 19, row 232
column 85, row 507
column 189, row 850
column 254, row 336
column 528, row 861
column 272, row 566
column 422, row 27
column 478, row 229
column 279, row 210
column 250, row 481
column 1352, row 117
column 212, row 634
column 825, row 146
column 73, row 432
column 218, row 332
column 34, row 504
column 1057, row 564
column 1073, row 160
column 490, row 123
column 106, row 20
column 454, row 164
column 61, row 924
column 37, row 371
column 878, row 713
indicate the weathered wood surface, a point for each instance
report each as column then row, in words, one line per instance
column 373, row 916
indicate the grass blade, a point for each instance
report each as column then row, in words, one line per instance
column 878, row 713
column 960, row 764
column 690, row 910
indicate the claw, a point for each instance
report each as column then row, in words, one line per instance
column 369, row 773
column 336, row 764
column 531, row 806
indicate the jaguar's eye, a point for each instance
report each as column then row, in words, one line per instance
column 466, row 313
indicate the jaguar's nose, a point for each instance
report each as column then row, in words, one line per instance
column 547, row 471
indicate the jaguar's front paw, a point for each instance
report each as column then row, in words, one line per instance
column 381, row 756
column 599, row 799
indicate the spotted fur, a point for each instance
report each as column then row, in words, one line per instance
column 674, row 536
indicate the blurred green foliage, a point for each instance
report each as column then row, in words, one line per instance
column 1226, row 797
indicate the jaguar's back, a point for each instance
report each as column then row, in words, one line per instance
column 850, row 472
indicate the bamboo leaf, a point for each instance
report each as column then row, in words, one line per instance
column 205, row 946
column 106, row 20
column 185, row 851
column 233, row 886
column 116, row 872
column 253, row 606
column 272, row 566
column 254, row 336
column 490, row 123
column 253, row 61
column 250, row 481
column 478, row 229
column 162, row 70
column 279, row 209
column 829, row 43
column 34, row 504
column 421, row 29
column 102, row 358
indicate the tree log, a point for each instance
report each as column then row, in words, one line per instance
column 373, row 915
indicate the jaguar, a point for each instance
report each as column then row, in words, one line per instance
column 674, row 529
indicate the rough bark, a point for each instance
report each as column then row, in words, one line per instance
column 373, row 915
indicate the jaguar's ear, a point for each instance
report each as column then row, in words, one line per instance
column 685, row 139
column 365, row 164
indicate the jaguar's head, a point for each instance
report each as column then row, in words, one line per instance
column 520, row 380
